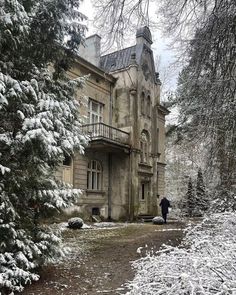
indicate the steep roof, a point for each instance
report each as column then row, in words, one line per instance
column 117, row 60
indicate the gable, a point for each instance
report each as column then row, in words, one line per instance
column 121, row 59
column 147, row 64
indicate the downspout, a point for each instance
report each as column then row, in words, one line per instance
column 130, row 186
column 110, row 161
column 109, row 184
column 111, row 107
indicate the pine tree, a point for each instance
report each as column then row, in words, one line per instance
column 188, row 202
column 201, row 195
column 39, row 124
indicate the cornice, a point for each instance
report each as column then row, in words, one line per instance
column 94, row 69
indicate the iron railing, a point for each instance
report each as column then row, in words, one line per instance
column 101, row 130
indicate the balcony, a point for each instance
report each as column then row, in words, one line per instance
column 105, row 136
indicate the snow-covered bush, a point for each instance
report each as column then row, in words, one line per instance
column 75, row 222
column 223, row 201
column 39, row 124
column 205, row 263
column 158, row 220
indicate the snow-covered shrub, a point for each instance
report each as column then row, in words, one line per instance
column 205, row 263
column 223, row 201
column 75, row 223
column 158, row 220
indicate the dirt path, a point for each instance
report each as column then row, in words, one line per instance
column 100, row 259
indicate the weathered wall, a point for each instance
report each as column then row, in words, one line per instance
column 123, row 109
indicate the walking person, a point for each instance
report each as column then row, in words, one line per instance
column 165, row 204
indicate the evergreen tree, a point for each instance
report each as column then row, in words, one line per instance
column 201, row 195
column 188, row 202
column 39, row 124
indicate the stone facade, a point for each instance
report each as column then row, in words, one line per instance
column 122, row 171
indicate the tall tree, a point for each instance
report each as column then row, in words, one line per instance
column 207, row 90
column 201, row 195
column 39, row 124
column 188, row 202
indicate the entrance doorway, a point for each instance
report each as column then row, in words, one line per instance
column 143, row 197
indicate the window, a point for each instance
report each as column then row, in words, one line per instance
column 94, row 175
column 143, row 191
column 142, row 104
column 67, row 170
column 148, row 107
column 67, row 160
column 157, row 144
column 95, row 112
column 144, row 146
column 145, row 105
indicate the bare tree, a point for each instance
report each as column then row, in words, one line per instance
column 115, row 19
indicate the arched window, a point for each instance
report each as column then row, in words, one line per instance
column 94, row 175
column 142, row 104
column 148, row 107
column 144, row 146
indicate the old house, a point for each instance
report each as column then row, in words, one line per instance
column 122, row 171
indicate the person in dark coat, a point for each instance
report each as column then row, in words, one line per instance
column 165, row 204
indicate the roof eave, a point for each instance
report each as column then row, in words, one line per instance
column 80, row 60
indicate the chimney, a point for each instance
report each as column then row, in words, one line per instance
column 144, row 36
column 91, row 49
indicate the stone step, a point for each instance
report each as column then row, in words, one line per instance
column 145, row 217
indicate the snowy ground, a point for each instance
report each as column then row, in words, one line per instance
column 204, row 264
column 101, row 256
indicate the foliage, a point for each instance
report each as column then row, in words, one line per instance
column 182, row 159
column 223, row 201
column 39, row 124
column 204, row 263
column 115, row 19
column 201, row 195
column 207, row 90
column 189, row 202
column 196, row 201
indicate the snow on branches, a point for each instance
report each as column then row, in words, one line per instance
column 40, row 124
column 205, row 263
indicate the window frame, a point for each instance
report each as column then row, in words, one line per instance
column 142, row 104
column 94, row 175
column 148, row 106
column 92, row 114
column 144, row 147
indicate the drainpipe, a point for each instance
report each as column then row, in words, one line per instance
column 130, row 184
column 110, row 160
column 111, row 106
column 109, row 184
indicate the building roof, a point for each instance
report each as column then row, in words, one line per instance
column 123, row 58
column 117, row 60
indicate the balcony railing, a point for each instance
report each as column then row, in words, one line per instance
column 101, row 130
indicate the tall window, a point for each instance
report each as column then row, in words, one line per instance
column 95, row 112
column 145, row 105
column 144, row 146
column 94, row 175
column 148, row 108
column 142, row 104
column 67, row 170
